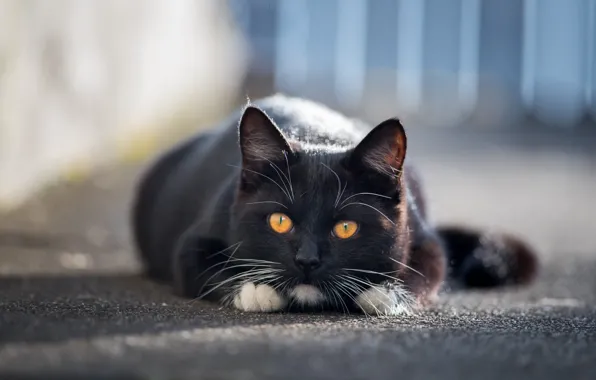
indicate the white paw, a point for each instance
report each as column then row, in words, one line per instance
column 264, row 298
column 307, row 295
column 382, row 300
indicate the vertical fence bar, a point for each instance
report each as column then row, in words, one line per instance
column 591, row 64
column 410, row 45
column 451, row 56
column 291, row 56
column 350, row 52
column 499, row 95
column 441, row 62
column 469, row 56
column 529, row 52
column 321, row 45
column 557, row 70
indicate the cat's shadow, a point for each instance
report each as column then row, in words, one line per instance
column 56, row 308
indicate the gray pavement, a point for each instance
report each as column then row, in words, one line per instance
column 72, row 304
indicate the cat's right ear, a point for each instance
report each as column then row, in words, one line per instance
column 261, row 142
column 383, row 150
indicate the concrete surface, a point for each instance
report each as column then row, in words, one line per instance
column 73, row 306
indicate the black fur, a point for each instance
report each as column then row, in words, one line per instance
column 201, row 209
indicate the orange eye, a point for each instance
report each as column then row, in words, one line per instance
column 345, row 229
column 280, row 223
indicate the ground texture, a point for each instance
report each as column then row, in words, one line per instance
column 72, row 304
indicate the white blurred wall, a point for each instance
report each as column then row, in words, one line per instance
column 78, row 77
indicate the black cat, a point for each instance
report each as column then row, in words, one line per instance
column 289, row 204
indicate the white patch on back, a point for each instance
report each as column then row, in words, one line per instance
column 307, row 294
column 381, row 300
column 257, row 298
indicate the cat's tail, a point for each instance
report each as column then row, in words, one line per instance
column 479, row 259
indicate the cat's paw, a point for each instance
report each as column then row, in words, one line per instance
column 385, row 300
column 255, row 298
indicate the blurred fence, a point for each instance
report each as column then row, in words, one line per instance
column 437, row 62
column 84, row 81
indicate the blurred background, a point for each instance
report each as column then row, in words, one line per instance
column 83, row 81
column 498, row 97
column 437, row 63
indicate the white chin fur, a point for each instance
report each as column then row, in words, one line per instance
column 256, row 298
column 307, row 295
column 379, row 300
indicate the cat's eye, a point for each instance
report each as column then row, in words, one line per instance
column 280, row 223
column 345, row 229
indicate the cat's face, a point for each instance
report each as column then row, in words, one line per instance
column 312, row 219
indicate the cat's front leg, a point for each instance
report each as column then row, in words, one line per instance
column 259, row 298
column 387, row 299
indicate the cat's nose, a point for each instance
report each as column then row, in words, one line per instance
column 307, row 261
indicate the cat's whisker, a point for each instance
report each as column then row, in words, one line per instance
column 252, row 275
column 258, row 261
column 342, row 191
column 347, row 288
column 336, row 297
column 338, row 184
column 274, row 279
column 236, row 245
column 354, row 281
column 265, row 176
column 373, row 272
column 229, row 268
column 219, row 253
column 406, row 266
column 289, row 173
column 367, row 205
column 405, row 300
column 341, row 300
column 319, row 286
column 364, row 283
column 280, row 285
column 253, row 263
column 323, row 287
column 256, row 266
column 261, row 202
column 283, row 178
column 364, row 193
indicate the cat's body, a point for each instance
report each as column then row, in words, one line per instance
column 325, row 214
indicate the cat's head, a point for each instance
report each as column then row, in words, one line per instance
column 314, row 217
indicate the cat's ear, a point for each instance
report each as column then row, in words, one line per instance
column 261, row 143
column 383, row 150
column 260, row 139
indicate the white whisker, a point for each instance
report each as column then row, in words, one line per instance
column 256, row 266
column 282, row 177
column 223, row 250
column 289, row 174
column 338, row 184
column 262, row 274
column 357, row 194
column 256, row 203
column 367, row 205
column 347, row 287
column 265, row 176
column 373, row 272
column 342, row 191
column 406, row 266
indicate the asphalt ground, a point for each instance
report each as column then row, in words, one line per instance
column 73, row 305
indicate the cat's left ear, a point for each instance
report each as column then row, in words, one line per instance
column 383, row 150
column 261, row 143
column 260, row 139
